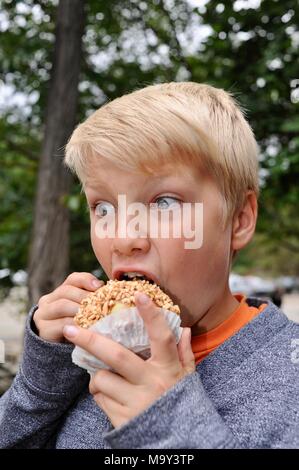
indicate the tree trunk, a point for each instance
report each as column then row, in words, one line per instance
column 49, row 251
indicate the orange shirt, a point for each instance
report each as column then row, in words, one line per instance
column 204, row 344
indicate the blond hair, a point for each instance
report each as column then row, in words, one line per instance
column 172, row 123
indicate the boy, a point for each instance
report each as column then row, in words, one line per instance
column 235, row 385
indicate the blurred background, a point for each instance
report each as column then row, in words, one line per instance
column 61, row 60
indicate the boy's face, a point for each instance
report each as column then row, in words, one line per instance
column 196, row 279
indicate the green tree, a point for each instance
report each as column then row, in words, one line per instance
column 128, row 44
column 49, row 254
column 254, row 53
column 110, row 35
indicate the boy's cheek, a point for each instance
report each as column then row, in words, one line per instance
column 102, row 251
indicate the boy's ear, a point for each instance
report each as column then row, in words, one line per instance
column 244, row 222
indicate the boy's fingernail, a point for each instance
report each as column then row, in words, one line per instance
column 70, row 331
column 96, row 283
column 143, row 299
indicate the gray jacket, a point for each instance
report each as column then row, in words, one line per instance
column 243, row 395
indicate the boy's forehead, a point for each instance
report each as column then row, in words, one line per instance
column 106, row 174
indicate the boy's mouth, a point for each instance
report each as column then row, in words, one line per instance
column 129, row 275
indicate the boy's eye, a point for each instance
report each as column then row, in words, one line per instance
column 165, row 202
column 102, row 209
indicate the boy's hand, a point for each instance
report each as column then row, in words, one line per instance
column 136, row 383
column 57, row 309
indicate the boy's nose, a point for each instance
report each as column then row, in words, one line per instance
column 127, row 246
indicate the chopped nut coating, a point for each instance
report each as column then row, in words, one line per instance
column 100, row 303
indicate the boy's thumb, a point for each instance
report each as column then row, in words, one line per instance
column 185, row 351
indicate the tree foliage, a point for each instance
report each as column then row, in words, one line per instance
column 253, row 52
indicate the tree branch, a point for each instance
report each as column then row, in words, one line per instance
column 178, row 50
column 175, row 38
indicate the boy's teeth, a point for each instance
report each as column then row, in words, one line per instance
column 132, row 274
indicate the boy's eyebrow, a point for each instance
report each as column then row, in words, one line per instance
column 92, row 190
column 103, row 186
column 91, row 186
column 100, row 185
column 153, row 179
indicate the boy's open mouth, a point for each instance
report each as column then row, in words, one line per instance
column 132, row 275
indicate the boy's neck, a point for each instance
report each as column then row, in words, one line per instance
column 217, row 314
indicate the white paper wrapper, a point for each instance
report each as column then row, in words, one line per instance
column 127, row 328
